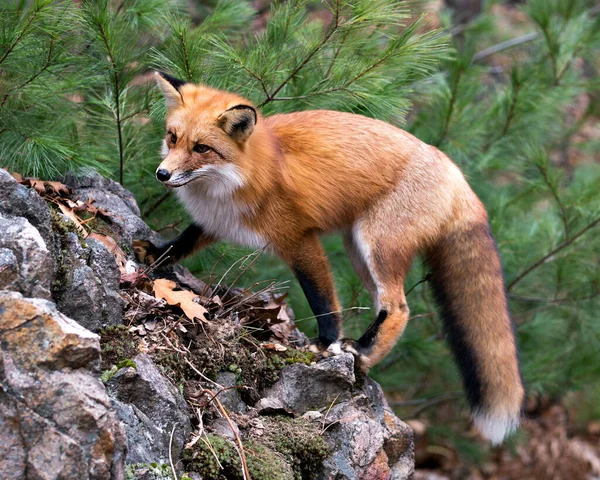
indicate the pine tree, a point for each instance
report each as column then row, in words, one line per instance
column 76, row 92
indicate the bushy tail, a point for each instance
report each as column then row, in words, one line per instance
column 466, row 276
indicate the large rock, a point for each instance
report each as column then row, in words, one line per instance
column 151, row 408
column 16, row 200
column 89, row 283
column 365, row 438
column 301, row 387
column 26, row 265
column 118, row 202
column 55, row 417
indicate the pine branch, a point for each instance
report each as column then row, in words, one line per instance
column 333, row 28
column 563, row 212
column 500, row 47
column 186, row 56
column 117, row 91
column 22, row 32
column 33, row 77
column 546, row 257
column 450, row 110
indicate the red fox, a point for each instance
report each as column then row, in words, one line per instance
column 281, row 181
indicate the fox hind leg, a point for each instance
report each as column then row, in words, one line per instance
column 386, row 262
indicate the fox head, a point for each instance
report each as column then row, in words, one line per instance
column 207, row 132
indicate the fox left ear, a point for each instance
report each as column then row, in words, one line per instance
column 238, row 122
column 170, row 88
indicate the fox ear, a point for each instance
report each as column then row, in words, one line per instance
column 170, row 88
column 238, row 122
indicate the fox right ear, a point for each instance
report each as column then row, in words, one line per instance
column 170, row 88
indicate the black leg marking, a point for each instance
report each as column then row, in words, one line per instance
column 366, row 341
column 185, row 243
column 327, row 321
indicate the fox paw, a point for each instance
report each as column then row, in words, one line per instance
column 146, row 252
column 323, row 350
column 360, row 356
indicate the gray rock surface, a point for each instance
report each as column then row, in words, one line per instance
column 231, row 398
column 365, row 438
column 118, row 202
column 89, row 283
column 55, row 417
column 26, row 264
column 150, row 407
column 301, row 387
column 16, row 200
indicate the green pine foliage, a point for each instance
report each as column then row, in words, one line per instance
column 76, row 92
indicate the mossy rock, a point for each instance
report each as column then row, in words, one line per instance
column 263, row 463
column 299, row 441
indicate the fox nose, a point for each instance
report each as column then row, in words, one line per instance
column 163, row 175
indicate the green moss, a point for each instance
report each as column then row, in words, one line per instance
column 148, row 471
column 299, row 441
column 63, row 226
column 263, row 463
column 118, row 346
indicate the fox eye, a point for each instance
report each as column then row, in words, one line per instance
column 172, row 138
column 201, row 148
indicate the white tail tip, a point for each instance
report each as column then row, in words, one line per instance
column 495, row 426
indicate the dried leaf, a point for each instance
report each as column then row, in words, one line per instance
column 184, row 299
column 69, row 213
column 274, row 346
column 113, row 247
column 57, row 188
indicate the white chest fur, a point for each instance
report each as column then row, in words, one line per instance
column 218, row 214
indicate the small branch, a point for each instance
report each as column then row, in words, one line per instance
column 553, row 190
column 450, row 108
column 513, row 42
column 307, row 58
column 545, row 258
column 34, row 76
column 21, row 33
column 554, row 301
column 157, row 204
column 188, row 70
column 426, row 278
column 117, row 98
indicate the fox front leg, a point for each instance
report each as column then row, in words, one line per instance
column 311, row 267
column 191, row 240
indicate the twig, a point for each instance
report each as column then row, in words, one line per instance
column 111, row 59
column 154, row 265
column 513, row 42
column 241, row 453
column 327, row 413
column 545, row 258
column 446, row 397
column 426, row 278
column 157, row 204
column 199, row 373
column 554, row 191
column 34, row 76
column 171, row 454
column 450, row 111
